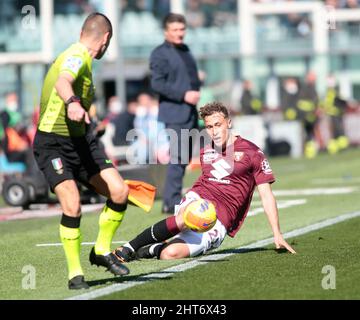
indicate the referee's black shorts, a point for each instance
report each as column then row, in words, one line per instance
column 67, row 158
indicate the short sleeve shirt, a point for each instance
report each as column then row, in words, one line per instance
column 77, row 62
column 229, row 178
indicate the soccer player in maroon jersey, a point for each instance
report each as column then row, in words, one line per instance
column 231, row 169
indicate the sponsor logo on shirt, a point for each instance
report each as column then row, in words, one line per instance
column 210, row 155
column 73, row 64
column 220, row 171
column 220, row 180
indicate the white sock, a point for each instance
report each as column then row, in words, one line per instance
column 152, row 248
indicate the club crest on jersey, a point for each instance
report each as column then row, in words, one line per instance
column 238, row 155
column 210, row 155
column 265, row 167
column 58, row 165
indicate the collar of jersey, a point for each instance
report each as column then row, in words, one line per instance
column 84, row 49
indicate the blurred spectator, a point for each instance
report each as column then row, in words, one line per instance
column 352, row 4
column 194, row 15
column 15, row 143
column 158, row 134
column 209, row 7
column 297, row 24
column 353, row 26
column 123, row 123
column 114, row 108
column 117, row 126
column 148, row 143
column 72, row 7
column 308, row 98
column 151, row 138
column 289, row 98
column 208, row 13
column 250, row 105
column 137, row 5
column 333, row 3
column 11, row 109
column 334, row 107
column 226, row 13
column 161, row 8
column 7, row 13
column 306, row 112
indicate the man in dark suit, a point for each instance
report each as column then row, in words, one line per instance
column 174, row 76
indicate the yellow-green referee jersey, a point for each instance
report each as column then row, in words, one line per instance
column 76, row 61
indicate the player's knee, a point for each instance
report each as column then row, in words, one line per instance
column 171, row 253
column 119, row 193
column 72, row 207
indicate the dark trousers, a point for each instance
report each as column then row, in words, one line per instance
column 180, row 156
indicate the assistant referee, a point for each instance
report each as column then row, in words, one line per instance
column 66, row 153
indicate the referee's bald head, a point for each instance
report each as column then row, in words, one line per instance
column 96, row 25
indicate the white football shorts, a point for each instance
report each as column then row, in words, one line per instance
column 200, row 243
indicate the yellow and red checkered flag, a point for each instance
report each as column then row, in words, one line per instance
column 141, row 194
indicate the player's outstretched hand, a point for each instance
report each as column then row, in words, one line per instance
column 281, row 243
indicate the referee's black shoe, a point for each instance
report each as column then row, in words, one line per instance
column 110, row 262
column 78, row 282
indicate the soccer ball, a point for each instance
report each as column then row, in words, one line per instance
column 200, row 215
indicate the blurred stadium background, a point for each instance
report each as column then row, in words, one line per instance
column 279, row 51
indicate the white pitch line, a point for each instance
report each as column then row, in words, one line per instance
column 205, row 259
column 345, row 179
column 60, row 244
column 280, row 204
column 315, row 191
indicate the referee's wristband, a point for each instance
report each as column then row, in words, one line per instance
column 72, row 99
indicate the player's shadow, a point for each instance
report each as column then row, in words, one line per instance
column 241, row 250
column 250, row 250
column 231, row 251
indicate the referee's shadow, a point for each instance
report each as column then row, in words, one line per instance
column 144, row 277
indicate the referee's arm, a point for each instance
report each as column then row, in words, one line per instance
column 63, row 86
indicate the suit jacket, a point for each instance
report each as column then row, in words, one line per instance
column 170, row 79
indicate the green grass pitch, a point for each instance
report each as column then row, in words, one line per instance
column 257, row 274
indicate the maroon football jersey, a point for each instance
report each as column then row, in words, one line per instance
column 229, row 178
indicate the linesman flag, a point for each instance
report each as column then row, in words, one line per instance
column 141, row 194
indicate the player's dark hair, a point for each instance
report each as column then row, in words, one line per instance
column 213, row 107
column 98, row 23
column 173, row 17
